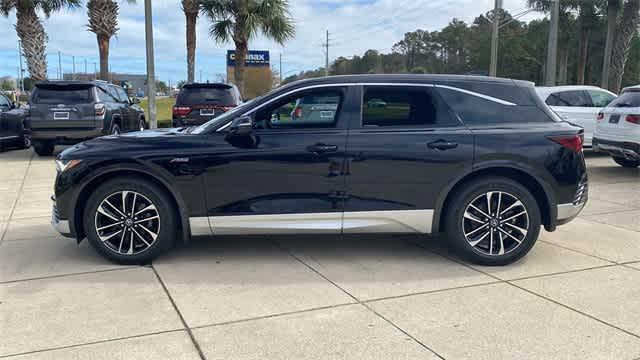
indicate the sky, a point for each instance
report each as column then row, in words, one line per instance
column 354, row 27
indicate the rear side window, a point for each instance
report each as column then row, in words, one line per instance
column 600, row 98
column 206, row 95
column 475, row 110
column 569, row 98
column 62, row 95
column 404, row 106
column 628, row 99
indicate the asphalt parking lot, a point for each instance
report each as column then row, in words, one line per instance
column 575, row 296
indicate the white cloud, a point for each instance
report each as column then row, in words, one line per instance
column 354, row 25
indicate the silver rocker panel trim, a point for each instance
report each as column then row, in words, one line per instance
column 358, row 222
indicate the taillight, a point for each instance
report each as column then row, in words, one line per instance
column 571, row 142
column 297, row 112
column 634, row 119
column 600, row 116
column 181, row 110
column 100, row 109
column 227, row 108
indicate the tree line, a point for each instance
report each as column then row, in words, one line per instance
column 236, row 21
column 590, row 32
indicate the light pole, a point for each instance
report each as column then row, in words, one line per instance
column 493, row 70
column 552, row 47
column 151, row 78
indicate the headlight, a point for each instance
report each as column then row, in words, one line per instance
column 64, row 165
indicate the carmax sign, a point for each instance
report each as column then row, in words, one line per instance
column 254, row 58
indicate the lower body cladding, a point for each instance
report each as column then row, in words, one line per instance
column 400, row 221
column 627, row 150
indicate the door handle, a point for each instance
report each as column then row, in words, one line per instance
column 442, row 145
column 322, row 148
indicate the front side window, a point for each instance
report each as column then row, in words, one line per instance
column 575, row 98
column 316, row 109
column 402, row 107
column 103, row 96
column 122, row 95
column 600, row 98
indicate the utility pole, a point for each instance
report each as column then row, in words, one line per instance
column 552, row 47
column 497, row 9
column 73, row 73
column 85, row 66
column 326, row 55
column 280, row 71
column 151, row 78
column 59, row 65
column 95, row 70
column 21, row 75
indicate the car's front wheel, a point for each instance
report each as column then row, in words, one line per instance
column 626, row 162
column 130, row 220
column 493, row 221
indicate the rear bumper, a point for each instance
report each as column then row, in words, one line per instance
column 64, row 135
column 623, row 149
column 568, row 212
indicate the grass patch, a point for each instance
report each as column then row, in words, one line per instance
column 164, row 108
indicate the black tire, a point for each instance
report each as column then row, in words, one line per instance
column 139, row 252
column 115, row 129
column 456, row 223
column 626, row 162
column 43, row 148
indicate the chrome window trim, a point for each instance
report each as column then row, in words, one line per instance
column 293, row 91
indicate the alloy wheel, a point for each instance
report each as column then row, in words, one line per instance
column 495, row 223
column 127, row 222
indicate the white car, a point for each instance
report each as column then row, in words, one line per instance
column 577, row 104
column 618, row 129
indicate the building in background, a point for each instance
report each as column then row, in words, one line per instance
column 258, row 76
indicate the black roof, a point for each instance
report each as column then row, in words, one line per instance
column 409, row 78
column 207, row 85
column 72, row 82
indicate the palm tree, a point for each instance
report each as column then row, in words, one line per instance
column 31, row 32
column 241, row 20
column 191, row 9
column 103, row 21
column 626, row 29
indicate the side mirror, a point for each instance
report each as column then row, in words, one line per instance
column 242, row 126
column 134, row 100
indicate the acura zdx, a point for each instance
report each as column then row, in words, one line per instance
column 483, row 160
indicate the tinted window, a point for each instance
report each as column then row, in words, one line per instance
column 628, row 99
column 569, row 98
column 600, row 98
column 316, row 109
column 122, row 95
column 103, row 96
column 4, row 101
column 403, row 106
column 206, row 95
column 474, row 110
column 62, row 95
column 114, row 93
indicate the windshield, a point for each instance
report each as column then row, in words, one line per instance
column 224, row 118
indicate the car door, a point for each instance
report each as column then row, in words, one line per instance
column 576, row 107
column 289, row 177
column 404, row 150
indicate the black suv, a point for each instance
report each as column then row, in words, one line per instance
column 14, row 125
column 67, row 112
column 198, row 103
column 481, row 159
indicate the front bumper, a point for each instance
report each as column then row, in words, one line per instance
column 61, row 226
column 627, row 150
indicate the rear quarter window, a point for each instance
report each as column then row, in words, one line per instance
column 62, row 95
column 627, row 99
column 474, row 110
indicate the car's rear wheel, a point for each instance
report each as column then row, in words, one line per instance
column 43, row 148
column 493, row 221
column 626, row 162
column 130, row 220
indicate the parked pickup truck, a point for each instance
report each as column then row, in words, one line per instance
column 68, row 112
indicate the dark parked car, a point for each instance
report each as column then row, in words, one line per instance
column 68, row 112
column 481, row 159
column 198, row 103
column 14, row 125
